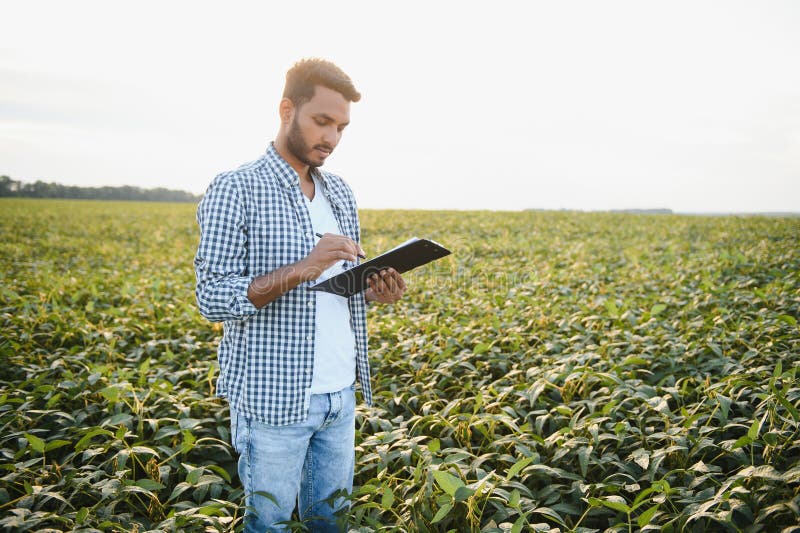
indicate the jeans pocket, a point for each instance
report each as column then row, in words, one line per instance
column 233, row 429
column 239, row 432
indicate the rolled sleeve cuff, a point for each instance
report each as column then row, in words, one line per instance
column 241, row 305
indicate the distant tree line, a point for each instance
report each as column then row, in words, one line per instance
column 659, row 211
column 41, row 189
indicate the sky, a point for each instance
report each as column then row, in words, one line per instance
column 692, row 106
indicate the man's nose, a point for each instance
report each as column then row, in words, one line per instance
column 331, row 135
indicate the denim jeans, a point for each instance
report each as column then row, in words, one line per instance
column 303, row 463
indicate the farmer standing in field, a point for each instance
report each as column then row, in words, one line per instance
column 289, row 357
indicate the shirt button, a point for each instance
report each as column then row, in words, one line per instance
column 308, row 337
column 311, row 303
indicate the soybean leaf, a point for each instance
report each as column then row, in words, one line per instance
column 149, row 484
column 447, row 482
column 645, row 518
column 388, row 498
column 518, row 466
column 441, row 513
column 36, row 443
column 462, row 493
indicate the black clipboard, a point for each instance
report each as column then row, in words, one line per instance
column 409, row 255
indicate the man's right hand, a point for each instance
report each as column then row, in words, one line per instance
column 330, row 249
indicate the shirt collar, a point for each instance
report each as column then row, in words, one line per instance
column 283, row 170
column 289, row 177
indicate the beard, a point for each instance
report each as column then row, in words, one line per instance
column 298, row 147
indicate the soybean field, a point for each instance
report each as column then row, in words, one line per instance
column 561, row 371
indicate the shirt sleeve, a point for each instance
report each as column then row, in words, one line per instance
column 221, row 261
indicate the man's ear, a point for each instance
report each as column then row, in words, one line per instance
column 286, row 110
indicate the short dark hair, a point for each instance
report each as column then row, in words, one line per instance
column 306, row 74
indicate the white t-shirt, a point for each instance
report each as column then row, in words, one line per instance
column 334, row 341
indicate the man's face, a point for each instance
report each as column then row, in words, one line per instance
column 317, row 126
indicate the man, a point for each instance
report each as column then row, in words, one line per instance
column 289, row 357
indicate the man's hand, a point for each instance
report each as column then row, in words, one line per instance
column 330, row 249
column 386, row 287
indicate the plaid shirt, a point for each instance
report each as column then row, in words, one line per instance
column 253, row 220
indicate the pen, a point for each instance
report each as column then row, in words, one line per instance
column 359, row 255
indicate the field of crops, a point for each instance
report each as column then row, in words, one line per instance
column 560, row 371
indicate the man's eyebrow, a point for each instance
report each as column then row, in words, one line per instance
column 330, row 118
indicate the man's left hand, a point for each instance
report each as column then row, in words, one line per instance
column 386, row 287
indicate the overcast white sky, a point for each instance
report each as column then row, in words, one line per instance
column 693, row 106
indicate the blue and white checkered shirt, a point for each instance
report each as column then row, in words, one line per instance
column 253, row 220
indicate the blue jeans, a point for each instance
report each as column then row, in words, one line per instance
column 303, row 463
